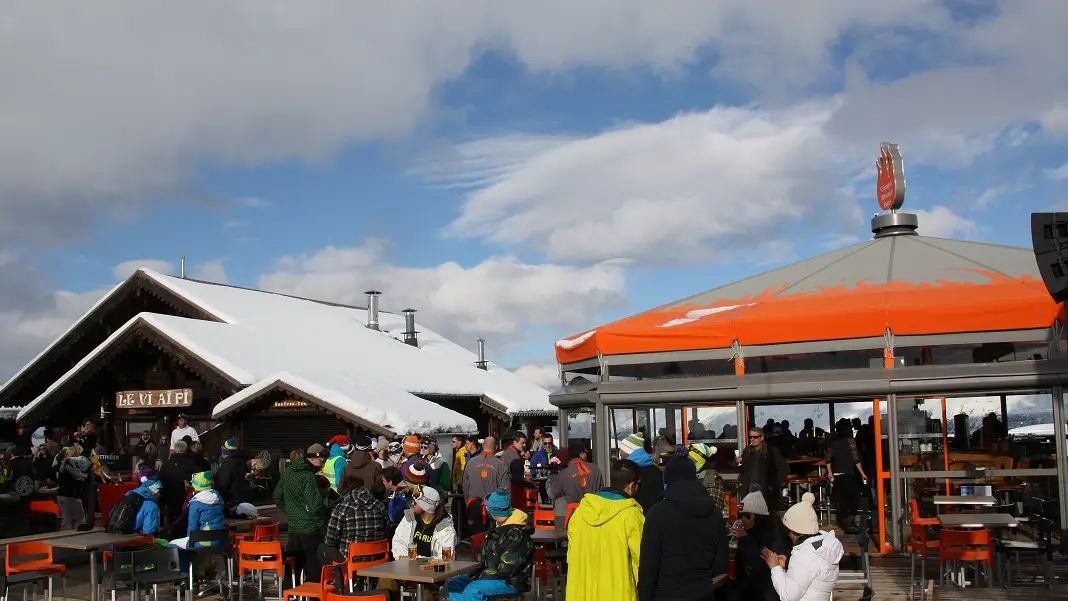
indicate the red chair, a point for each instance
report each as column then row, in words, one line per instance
column 34, row 556
column 530, row 499
column 966, row 546
column 914, row 509
column 314, row 590
column 919, row 547
column 47, row 507
column 365, row 555
column 544, row 519
column 259, row 558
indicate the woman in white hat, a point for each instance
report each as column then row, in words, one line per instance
column 757, row 529
column 813, row 560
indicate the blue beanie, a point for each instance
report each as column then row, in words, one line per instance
column 499, row 503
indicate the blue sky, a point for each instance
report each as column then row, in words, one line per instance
column 578, row 164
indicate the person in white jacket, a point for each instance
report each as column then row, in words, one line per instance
column 813, row 561
column 425, row 526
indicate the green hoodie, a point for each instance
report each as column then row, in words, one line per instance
column 298, row 497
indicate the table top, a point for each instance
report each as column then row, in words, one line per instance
column 978, row 520
column 555, row 535
column 964, row 500
column 92, row 541
column 407, row 570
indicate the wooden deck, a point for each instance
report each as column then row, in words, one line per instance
column 890, row 576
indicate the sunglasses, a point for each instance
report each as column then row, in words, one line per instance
column 758, row 437
column 547, row 444
column 424, row 446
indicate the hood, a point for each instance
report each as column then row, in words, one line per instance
column 518, row 518
column 336, row 450
column 358, row 459
column 824, row 546
column 436, row 461
column 691, row 497
column 302, row 465
column 144, row 491
column 600, row 508
column 361, row 497
column 640, row 457
column 207, row 497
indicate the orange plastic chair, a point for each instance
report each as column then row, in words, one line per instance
column 365, row 555
column 530, row 498
column 260, row 534
column 571, row 507
column 314, row 590
column 50, row 507
column 372, row 596
column 544, row 519
column 253, row 557
column 33, row 556
column 543, row 567
column 476, row 543
column 919, row 547
column 966, row 546
column 914, row 509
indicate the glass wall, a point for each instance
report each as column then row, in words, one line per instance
column 581, row 431
column 998, row 445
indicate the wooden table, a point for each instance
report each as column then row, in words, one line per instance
column 92, row 543
column 965, row 500
column 239, row 523
column 407, row 570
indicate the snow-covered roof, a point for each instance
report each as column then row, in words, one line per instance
column 328, row 348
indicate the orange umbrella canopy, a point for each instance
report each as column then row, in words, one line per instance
column 909, row 284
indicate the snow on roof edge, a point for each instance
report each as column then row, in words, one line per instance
column 238, row 400
column 164, row 280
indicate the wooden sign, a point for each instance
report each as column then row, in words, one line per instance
column 290, row 404
column 132, row 399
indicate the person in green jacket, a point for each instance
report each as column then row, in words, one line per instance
column 300, row 498
column 442, row 476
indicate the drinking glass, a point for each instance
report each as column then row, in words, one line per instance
column 446, row 555
column 413, row 552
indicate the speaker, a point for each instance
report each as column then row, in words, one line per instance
column 1049, row 238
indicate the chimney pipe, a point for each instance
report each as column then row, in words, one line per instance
column 182, row 270
column 410, row 335
column 372, row 308
column 481, row 363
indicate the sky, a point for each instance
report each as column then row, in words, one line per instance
column 519, row 172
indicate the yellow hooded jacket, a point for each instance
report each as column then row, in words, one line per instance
column 604, row 538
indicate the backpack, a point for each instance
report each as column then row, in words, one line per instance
column 123, row 516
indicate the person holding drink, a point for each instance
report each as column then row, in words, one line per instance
column 424, row 532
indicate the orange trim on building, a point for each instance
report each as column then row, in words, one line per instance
column 834, row 313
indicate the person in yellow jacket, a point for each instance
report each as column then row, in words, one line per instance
column 604, row 540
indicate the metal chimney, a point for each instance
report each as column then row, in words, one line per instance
column 410, row 335
column 481, row 363
column 372, row 308
column 182, row 270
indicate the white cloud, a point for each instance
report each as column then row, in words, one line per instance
column 546, row 375
column 28, row 331
column 680, row 189
column 1058, row 174
column 211, row 271
column 301, row 81
column 941, row 222
column 498, row 298
column 126, row 268
column 1055, row 122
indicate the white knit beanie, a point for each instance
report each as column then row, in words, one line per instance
column 755, row 504
column 801, row 518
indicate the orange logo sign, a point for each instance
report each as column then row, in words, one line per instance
column 890, row 182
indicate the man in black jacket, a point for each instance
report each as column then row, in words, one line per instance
column 176, row 471
column 763, row 464
column 231, row 479
column 684, row 542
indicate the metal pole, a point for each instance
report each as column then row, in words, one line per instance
column 564, row 427
column 1060, row 446
column 600, row 424
column 895, row 473
column 743, row 427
